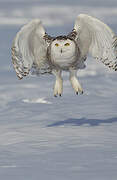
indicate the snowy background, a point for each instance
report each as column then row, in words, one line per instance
column 67, row 138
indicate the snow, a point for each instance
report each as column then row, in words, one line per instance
column 39, row 100
column 65, row 138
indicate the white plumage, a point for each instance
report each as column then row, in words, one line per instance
column 34, row 48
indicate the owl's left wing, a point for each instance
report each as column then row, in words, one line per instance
column 29, row 49
column 96, row 38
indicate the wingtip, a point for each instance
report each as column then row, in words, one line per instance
column 82, row 15
column 19, row 76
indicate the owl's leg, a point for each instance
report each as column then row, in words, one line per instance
column 58, row 87
column 74, row 81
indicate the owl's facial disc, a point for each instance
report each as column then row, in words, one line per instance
column 62, row 48
column 62, row 45
column 66, row 44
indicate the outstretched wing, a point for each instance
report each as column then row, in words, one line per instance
column 29, row 49
column 96, row 38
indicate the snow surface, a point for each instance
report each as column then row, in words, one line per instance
column 67, row 138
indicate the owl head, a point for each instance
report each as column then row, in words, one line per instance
column 62, row 46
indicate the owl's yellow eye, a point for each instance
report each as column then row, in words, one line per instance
column 66, row 44
column 57, row 44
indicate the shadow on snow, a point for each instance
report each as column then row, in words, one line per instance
column 83, row 121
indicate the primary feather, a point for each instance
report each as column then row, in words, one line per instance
column 30, row 48
column 96, row 38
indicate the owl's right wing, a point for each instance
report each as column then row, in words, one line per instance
column 30, row 49
column 96, row 38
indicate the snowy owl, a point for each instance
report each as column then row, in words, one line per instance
column 33, row 48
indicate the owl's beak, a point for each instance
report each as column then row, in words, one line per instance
column 61, row 50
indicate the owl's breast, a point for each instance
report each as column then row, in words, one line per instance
column 63, row 60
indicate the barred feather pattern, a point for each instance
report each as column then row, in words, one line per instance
column 17, row 61
column 111, row 63
column 97, row 39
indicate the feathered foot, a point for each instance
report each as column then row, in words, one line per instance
column 74, row 82
column 58, row 87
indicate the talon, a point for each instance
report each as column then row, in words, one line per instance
column 77, row 92
column 60, row 95
column 82, row 92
